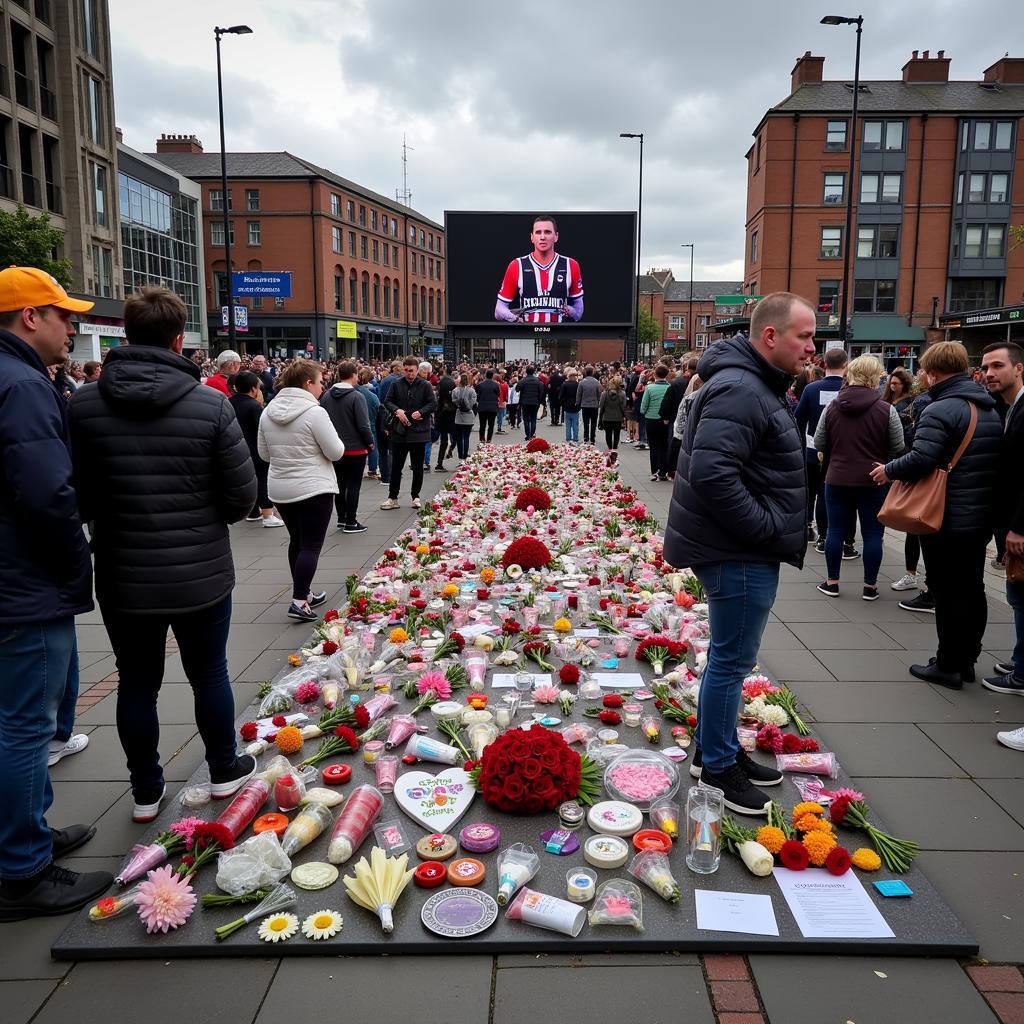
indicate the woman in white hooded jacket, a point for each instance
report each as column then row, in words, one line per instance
column 298, row 439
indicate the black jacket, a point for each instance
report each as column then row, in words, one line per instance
column 531, row 390
column 555, row 382
column 1010, row 488
column 673, row 397
column 350, row 415
column 415, row 397
column 488, row 393
column 569, row 396
column 970, row 489
column 740, row 492
column 248, row 412
column 444, row 418
column 45, row 572
column 161, row 469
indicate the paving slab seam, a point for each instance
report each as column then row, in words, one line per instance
column 732, row 988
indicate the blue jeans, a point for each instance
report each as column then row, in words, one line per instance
column 426, row 454
column 529, row 419
column 740, row 596
column 138, row 642
column 462, row 435
column 501, row 419
column 844, row 505
column 37, row 664
column 641, row 434
column 572, row 425
column 1015, row 597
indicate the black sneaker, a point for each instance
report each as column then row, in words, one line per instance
column 828, row 589
column 739, row 795
column 1004, row 684
column 757, row 773
column 1004, row 668
column 931, row 673
column 317, row 599
column 225, row 784
column 869, row 593
column 67, row 840
column 849, row 551
column 355, row 528
column 819, row 545
column 296, row 611
column 440, row 469
column 922, row 603
column 426, row 469
column 58, row 891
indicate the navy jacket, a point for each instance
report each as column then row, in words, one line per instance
column 45, row 572
column 971, row 487
column 488, row 394
column 740, row 491
column 814, row 400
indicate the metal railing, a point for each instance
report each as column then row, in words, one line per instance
column 30, row 190
column 53, row 197
column 23, row 90
column 48, row 103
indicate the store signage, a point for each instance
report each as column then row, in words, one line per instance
column 106, row 330
column 271, row 283
column 985, row 318
column 241, row 317
column 347, row 329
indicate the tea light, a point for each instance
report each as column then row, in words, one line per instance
column 631, row 713
column 503, row 717
column 196, row 796
column 607, row 736
column 372, row 750
column 580, row 884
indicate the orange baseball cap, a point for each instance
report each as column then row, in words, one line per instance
column 21, row 287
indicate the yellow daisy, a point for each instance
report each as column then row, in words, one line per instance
column 278, row 927
column 322, row 925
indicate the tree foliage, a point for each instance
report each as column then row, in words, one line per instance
column 649, row 332
column 27, row 241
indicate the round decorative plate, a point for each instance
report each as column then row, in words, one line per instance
column 314, row 875
column 459, row 913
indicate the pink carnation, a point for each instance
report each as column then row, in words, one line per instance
column 847, row 794
column 434, row 681
column 769, row 739
column 164, row 900
column 546, row 694
column 307, row 692
column 186, row 828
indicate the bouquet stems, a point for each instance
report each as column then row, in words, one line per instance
column 591, row 777
column 279, row 898
column 217, row 899
column 786, row 699
column 778, row 818
column 897, row 854
column 452, row 730
column 329, row 747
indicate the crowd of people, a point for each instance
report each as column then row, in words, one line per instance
column 124, row 484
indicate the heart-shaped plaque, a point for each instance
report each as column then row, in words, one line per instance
column 435, row 800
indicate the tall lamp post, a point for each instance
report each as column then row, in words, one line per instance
column 836, row 19
column 691, row 326
column 639, row 213
column 235, row 30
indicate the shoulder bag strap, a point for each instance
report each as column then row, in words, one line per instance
column 968, row 437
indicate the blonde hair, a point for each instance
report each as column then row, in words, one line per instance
column 615, row 383
column 864, row 371
column 944, row 357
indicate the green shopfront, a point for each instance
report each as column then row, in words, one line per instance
column 980, row 327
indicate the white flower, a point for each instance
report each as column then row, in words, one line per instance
column 484, row 642
column 322, row 925
column 278, row 927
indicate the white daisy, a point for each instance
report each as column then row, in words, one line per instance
column 322, row 925
column 278, row 927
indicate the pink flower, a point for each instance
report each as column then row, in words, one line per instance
column 307, row 692
column 546, row 694
column 847, row 794
column 434, row 681
column 186, row 828
column 164, row 900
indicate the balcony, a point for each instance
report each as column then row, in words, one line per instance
column 48, row 103
column 43, row 11
column 53, row 198
column 6, row 182
column 24, row 91
column 30, row 190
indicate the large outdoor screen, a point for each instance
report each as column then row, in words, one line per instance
column 540, row 269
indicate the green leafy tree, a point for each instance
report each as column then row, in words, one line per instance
column 649, row 333
column 27, row 241
column 1016, row 236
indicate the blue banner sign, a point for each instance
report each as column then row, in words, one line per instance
column 271, row 283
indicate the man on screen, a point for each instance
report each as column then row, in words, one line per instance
column 543, row 287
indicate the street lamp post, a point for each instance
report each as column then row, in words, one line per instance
column 235, row 30
column 691, row 326
column 836, row 19
column 639, row 214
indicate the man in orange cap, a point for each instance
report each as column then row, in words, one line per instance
column 45, row 580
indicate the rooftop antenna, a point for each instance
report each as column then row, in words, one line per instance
column 403, row 195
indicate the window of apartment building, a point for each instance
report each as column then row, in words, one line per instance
column 973, row 235
column 423, row 266
column 352, row 285
column 1004, row 135
column 995, row 237
column 387, row 295
column 891, row 187
column 94, row 109
column 423, row 238
column 396, row 304
column 438, row 268
column 394, row 255
column 835, row 189
column 252, row 199
column 831, row 243
column 982, row 134
column 373, row 220
column 835, row 135
column 90, row 28
column 965, row 128
column 704, row 321
column 828, row 296
column 336, row 239
column 335, row 205
column 430, row 268
column 352, row 244
column 412, row 263
column 253, row 229
column 757, row 154
column 99, row 191
column 217, row 232
column 394, row 227
column 376, row 251
column 364, row 294
column 883, row 135
column 363, row 247
column 362, row 216
column 386, row 254
column 412, row 234
column 874, row 297
column 217, row 199
column 880, row 188
column 339, row 291
column 350, row 209
column 430, row 313
column 877, row 241
column 430, row 241
column 257, row 302
column 415, row 304
column 967, row 293
column 701, row 340
column 103, row 268
column 376, row 295
column 998, row 188
column 677, row 323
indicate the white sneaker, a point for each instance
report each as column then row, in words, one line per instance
column 416, row 503
column 273, row 521
column 1013, row 739
column 389, row 503
column 908, row 581
column 143, row 813
column 75, row 745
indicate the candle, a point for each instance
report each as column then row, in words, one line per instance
column 580, row 884
column 372, row 750
column 354, row 823
column 631, row 714
column 241, row 812
column 386, row 767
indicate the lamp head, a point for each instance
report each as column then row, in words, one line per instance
column 234, row 30
column 838, row 19
column 631, row 135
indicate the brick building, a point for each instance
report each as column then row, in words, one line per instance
column 685, row 325
column 368, row 274
column 938, row 182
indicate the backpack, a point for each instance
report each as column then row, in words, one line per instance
column 464, row 404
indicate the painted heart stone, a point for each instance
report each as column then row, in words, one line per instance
column 435, row 800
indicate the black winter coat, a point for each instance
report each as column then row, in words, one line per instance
column 45, row 572
column 415, row 397
column 569, row 395
column 444, row 418
column 161, row 469
column 672, row 399
column 488, row 395
column 531, row 390
column 248, row 412
column 970, row 489
column 350, row 415
column 1010, row 488
column 740, row 491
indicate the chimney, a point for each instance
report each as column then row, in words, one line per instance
column 1007, row 70
column 927, row 68
column 178, row 144
column 807, row 69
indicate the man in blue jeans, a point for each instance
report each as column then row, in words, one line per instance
column 45, row 580
column 738, row 510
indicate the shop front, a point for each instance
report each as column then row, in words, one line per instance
column 888, row 338
column 977, row 328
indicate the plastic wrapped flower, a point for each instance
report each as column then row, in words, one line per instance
column 562, row 625
column 546, row 694
column 309, row 691
column 322, row 925
column 278, row 927
column 398, row 636
column 165, row 900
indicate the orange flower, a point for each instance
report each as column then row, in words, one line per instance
column 487, row 575
column 866, row 860
column 771, row 838
column 422, row 549
column 288, row 740
column 398, row 636
column 812, row 823
column 450, row 590
column 819, row 845
column 807, row 807
column 294, row 660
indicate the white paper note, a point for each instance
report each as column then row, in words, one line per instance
column 505, row 680
column 735, row 912
column 477, row 629
column 619, row 680
column 826, row 906
column 585, row 634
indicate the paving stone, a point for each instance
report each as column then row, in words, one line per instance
column 98, row 993
column 176, row 706
column 740, row 1018
column 851, row 664
column 733, row 995
column 825, row 636
column 21, row 999
column 75, row 801
column 1008, row 793
column 526, row 961
column 1009, row 1006
column 238, row 661
column 849, row 989
column 795, row 666
column 92, row 637
column 888, row 750
column 976, row 749
column 996, row 978
column 725, row 967
column 975, row 703
column 97, row 670
column 867, row 701
column 116, row 833
column 658, row 995
column 808, row 610
column 103, row 759
column 26, row 949
column 264, row 666
column 778, row 638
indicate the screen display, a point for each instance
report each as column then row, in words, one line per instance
column 556, row 270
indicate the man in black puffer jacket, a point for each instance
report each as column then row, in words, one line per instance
column 161, row 469
column 955, row 555
column 411, row 400
column 737, row 512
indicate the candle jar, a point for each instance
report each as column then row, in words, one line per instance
column 607, row 736
column 503, row 717
column 386, row 769
column 618, row 614
column 382, row 684
column 558, row 606
column 372, row 750
column 704, row 806
column 631, row 714
column 531, row 616
column 621, row 646
column 368, row 640
column 580, row 885
column 460, row 616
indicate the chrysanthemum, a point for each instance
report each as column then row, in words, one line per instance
column 398, row 636
column 288, row 740
column 322, row 925
column 845, row 793
column 434, row 681
column 278, row 927
column 819, row 845
column 771, row 838
column 165, row 900
column 546, row 694
column 812, row 823
column 866, row 860
column 807, row 807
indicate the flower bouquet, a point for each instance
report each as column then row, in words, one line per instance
column 849, row 809
column 537, row 651
column 152, row 855
column 342, row 741
column 659, row 650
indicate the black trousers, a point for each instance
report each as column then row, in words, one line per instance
column 589, row 418
column 262, row 498
column 400, row 450
column 956, row 581
column 349, row 472
column 675, row 445
column 556, row 412
column 657, row 438
column 307, row 523
column 445, row 440
column 611, row 435
column 487, row 418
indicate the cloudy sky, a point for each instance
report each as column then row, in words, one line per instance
column 519, row 105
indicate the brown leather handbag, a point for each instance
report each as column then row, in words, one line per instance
column 918, row 506
column 1014, row 565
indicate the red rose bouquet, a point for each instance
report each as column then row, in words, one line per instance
column 529, row 772
column 660, row 649
column 535, row 496
column 527, row 552
column 537, row 444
